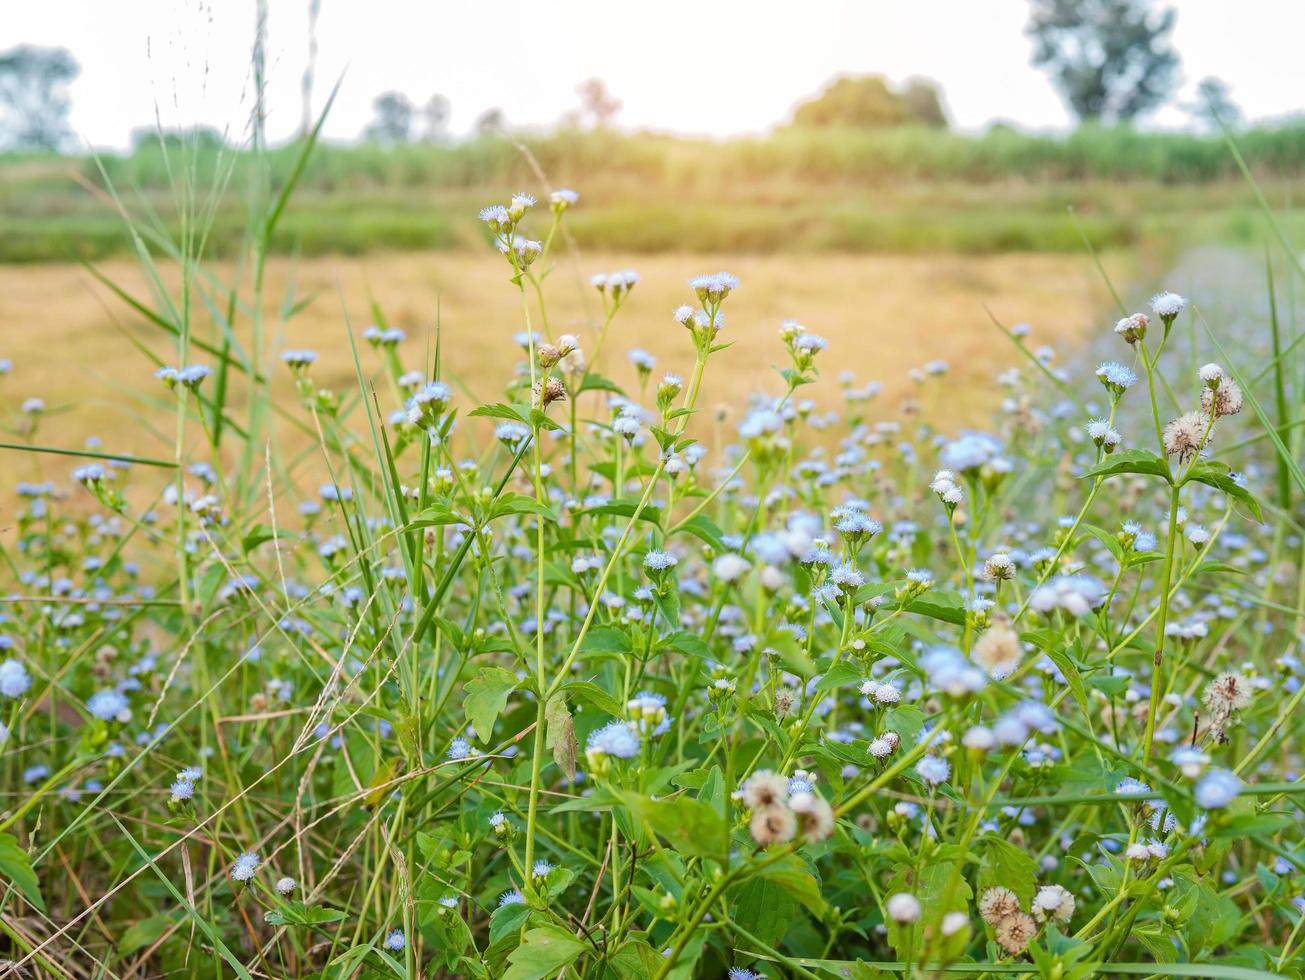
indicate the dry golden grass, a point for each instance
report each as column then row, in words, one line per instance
column 881, row 314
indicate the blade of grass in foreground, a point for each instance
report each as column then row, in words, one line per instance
column 1063, row 388
column 1279, row 386
column 90, row 454
column 202, row 923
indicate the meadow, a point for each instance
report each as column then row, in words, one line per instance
column 504, row 612
column 897, row 190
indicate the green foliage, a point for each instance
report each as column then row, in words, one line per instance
column 902, row 189
column 784, row 702
column 866, row 101
column 486, row 696
column 1111, row 59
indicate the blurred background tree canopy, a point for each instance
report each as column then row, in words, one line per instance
column 1111, row 60
column 868, row 101
column 34, row 99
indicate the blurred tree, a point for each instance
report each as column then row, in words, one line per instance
column 1214, row 105
column 923, row 103
column 393, row 120
column 1111, row 59
column 491, row 122
column 597, row 105
column 435, row 119
column 310, row 70
column 868, row 101
column 34, row 100
column 197, row 137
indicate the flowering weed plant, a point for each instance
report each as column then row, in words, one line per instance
column 593, row 682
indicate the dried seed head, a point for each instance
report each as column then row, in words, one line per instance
column 772, row 825
column 1014, row 933
column 553, row 390
column 1223, row 398
column 765, row 789
column 548, row 355
column 785, row 701
column 1227, row 692
column 998, row 650
column 998, row 903
column 1185, row 436
column 814, row 815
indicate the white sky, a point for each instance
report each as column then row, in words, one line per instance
column 713, row 67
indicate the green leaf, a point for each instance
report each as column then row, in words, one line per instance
column 689, row 643
column 596, row 382
column 906, row 720
column 1106, row 538
column 301, row 914
column 702, row 528
column 635, row 960
column 255, row 536
column 692, row 828
column 546, row 951
column 606, row 639
column 1141, row 461
column 143, row 933
column 1216, row 474
column 667, row 601
column 764, row 909
column 1009, row 866
column 841, row 674
column 626, row 508
column 516, row 503
column 1060, row 657
column 515, row 413
column 795, row 877
column 16, row 868
column 437, row 515
column 594, row 696
column 506, row 920
column 940, row 604
column 931, row 885
column 485, row 697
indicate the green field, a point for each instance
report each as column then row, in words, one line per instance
column 805, row 191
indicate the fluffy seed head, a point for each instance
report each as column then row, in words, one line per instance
column 814, row 815
column 1224, row 398
column 998, row 650
column 1227, row 692
column 772, row 825
column 1053, row 901
column 999, row 567
column 998, row 903
column 765, row 788
column 244, row 867
column 1185, row 436
column 903, row 908
column 1013, row 933
column 1167, row 305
